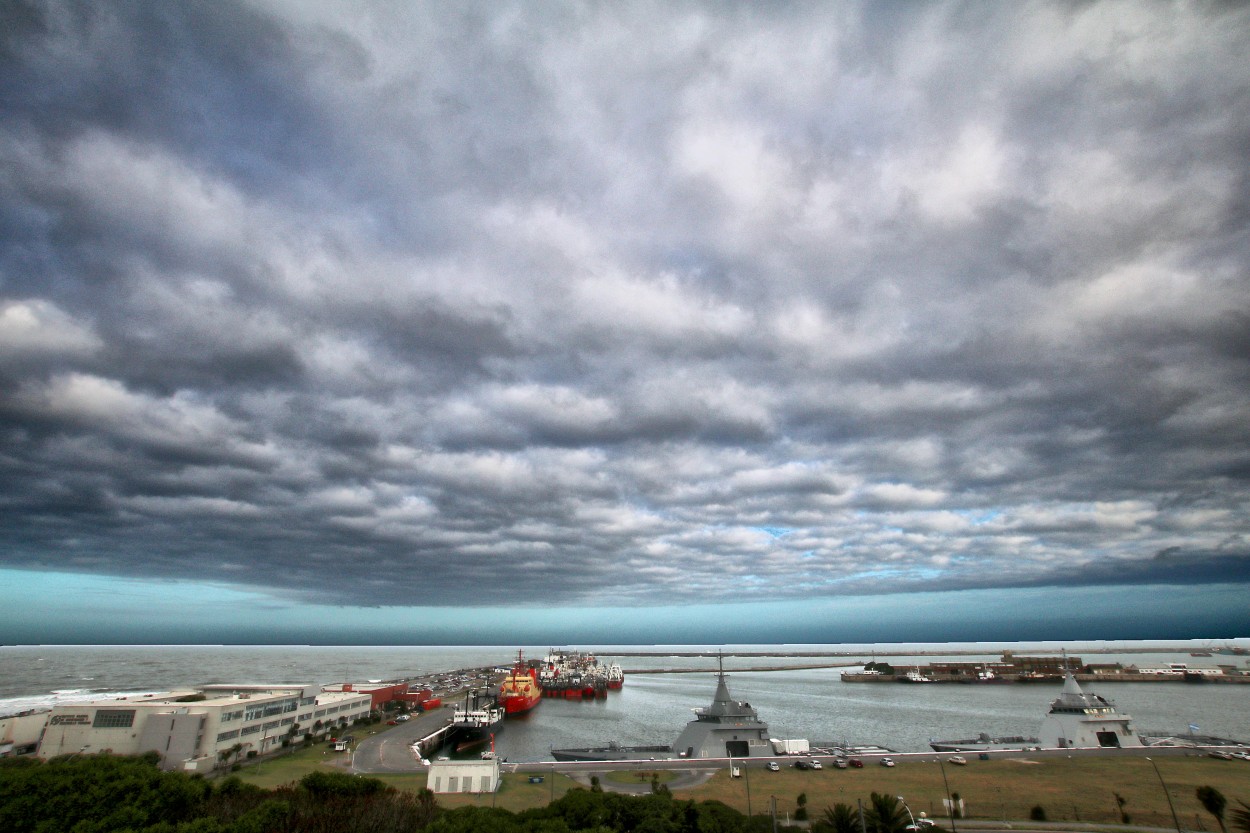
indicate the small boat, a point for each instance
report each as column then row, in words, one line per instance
column 914, row 676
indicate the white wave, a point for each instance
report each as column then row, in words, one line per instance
column 43, row 702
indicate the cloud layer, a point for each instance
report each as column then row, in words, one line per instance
column 625, row 303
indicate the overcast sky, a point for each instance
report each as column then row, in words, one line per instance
column 732, row 321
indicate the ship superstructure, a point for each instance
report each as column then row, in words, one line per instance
column 1075, row 719
column 475, row 723
column 1079, row 719
column 727, row 728
column 520, row 691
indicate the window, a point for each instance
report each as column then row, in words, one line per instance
column 228, row 735
column 228, row 716
column 114, row 719
column 251, row 730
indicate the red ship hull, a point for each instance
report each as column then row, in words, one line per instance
column 520, row 691
column 519, row 705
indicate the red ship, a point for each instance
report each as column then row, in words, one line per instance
column 520, row 691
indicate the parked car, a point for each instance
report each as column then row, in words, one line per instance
column 815, row 765
column 802, row 765
column 857, row 763
column 840, row 763
column 773, row 766
column 392, row 723
column 957, row 760
column 887, row 762
column 922, row 823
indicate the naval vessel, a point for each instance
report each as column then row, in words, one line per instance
column 727, row 728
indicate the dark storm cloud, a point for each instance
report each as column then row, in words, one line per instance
column 386, row 306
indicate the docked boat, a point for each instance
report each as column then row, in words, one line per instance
column 616, row 677
column 520, row 691
column 475, row 723
column 573, row 675
column 985, row 676
column 727, row 728
column 1075, row 719
column 914, row 676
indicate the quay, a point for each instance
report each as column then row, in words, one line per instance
column 1125, row 677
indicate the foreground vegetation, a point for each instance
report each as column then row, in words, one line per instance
column 108, row 794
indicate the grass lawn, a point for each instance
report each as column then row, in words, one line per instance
column 289, row 767
column 1081, row 789
column 515, row 794
column 632, row 777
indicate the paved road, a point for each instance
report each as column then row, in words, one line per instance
column 391, row 751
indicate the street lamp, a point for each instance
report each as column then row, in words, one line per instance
column 1166, row 794
column 909, row 815
column 950, row 804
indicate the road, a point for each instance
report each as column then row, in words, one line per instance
column 391, row 751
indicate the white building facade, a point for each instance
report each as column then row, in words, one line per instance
column 198, row 729
column 447, row 776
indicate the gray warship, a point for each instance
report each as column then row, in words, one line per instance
column 1076, row 719
column 726, row 729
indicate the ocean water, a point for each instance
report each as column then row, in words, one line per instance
column 653, row 707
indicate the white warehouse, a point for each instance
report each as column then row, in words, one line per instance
column 196, row 729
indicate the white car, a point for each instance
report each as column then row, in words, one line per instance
column 887, row 762
column 957, row 760
column 773, row 766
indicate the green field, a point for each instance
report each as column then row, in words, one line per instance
column 1081, row 789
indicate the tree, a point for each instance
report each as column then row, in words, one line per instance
column 840, row 818
column 1241, row 818
column 1214, row 802
column 885, row 814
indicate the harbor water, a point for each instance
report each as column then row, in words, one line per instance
column 652, row 708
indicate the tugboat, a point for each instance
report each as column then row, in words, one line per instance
column 474, row 724
column 727, row 728
column 520, row 691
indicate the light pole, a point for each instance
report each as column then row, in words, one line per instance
column 950, row 805
column 1166, row 794
column 909, row 815
column 746, row 773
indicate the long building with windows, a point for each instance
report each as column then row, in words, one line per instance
column 197, row 729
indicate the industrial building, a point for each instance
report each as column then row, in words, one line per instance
column 197, row 729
